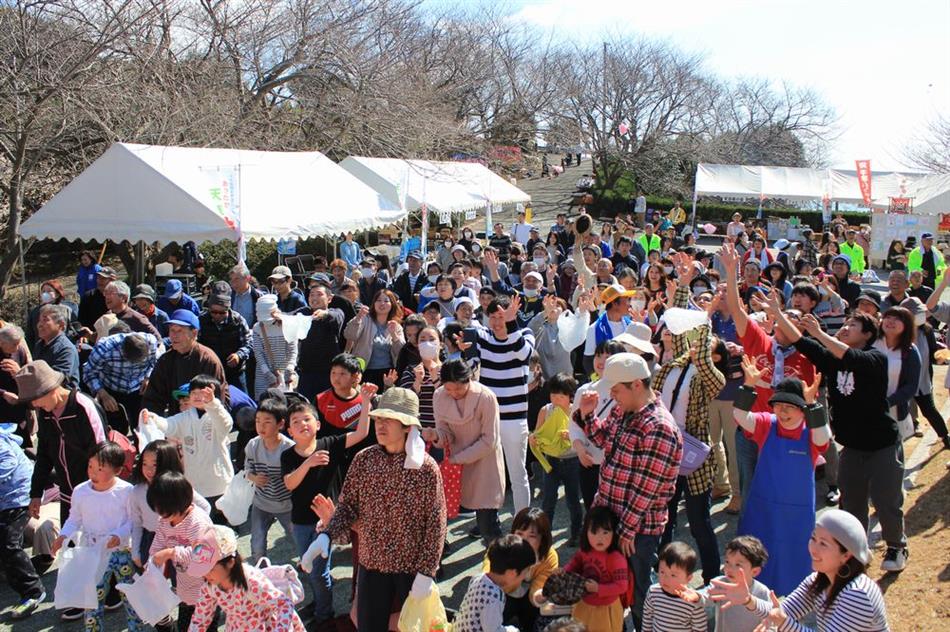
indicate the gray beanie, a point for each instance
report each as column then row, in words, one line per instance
column 848, row 531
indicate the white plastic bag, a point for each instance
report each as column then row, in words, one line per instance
column 75, row 584
column 679, row 320
column 148, row 432
column 284, row 578
column 150, row 595
column 572, row 329
column 235, row 502
column 295, row 327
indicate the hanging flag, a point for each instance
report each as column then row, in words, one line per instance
column 424, row 232
column 528, row 213
column 224, row 191
column 864, row 179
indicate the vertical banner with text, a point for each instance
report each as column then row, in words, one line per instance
column 224, row 189
column 864, row 180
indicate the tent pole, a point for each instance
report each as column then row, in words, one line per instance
column 693, row 222
column 26, row 293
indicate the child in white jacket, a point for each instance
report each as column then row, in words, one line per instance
column 202, row 429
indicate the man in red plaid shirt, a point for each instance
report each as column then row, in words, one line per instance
column 642, row 451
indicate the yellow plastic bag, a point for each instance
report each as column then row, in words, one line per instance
column 424, row 615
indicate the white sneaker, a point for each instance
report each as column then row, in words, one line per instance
column 895, row 560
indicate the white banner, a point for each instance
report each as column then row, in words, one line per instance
column 224, row 188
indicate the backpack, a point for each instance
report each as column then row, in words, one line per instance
column 283, row 577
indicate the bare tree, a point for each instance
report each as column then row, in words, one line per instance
column 931, row 151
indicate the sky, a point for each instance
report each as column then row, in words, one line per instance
column 884, row 65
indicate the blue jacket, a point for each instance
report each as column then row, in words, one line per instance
column 185, row 302
column 61, row 355
column 16, row 470
column 86, row 278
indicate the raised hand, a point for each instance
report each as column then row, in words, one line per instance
column 730, row 594
column 776, row 617
column 811, row 390
column 490, row 260
column 390, row 377
column 511, row 312
column 730, row 259
column 752, row 373
column 811, row 324
column 588, row 403
column 368, row 391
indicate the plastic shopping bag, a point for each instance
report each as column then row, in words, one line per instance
column 147, row 432
column 284, row 578
column 572, row 329
column 75, row 585
column 150, row 595
column 452, row 485
column 235, row 502
column 680, row 320
column 426, row 614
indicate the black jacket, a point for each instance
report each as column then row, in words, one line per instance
column 231, row 336
column 63, row 445
column 401, row 287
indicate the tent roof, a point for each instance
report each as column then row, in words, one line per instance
column 443, row 186
column 165, row 194
column 794, row 183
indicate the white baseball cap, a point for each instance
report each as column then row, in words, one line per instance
column 625, row 367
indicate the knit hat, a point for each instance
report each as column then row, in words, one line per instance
column 848, row 531
column 844, row 258
column 265, row 307
column 564, row 589
column 789, row 391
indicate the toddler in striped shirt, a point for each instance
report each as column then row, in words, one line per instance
column 671, row 606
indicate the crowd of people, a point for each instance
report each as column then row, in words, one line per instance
column 374, row 401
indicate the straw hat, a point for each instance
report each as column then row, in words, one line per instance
column 400, row 404
column 36, row 379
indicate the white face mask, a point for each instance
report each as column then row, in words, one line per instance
column 447, row 243
column 668, row 269
column 428, row 350
column 367, row 272
column 467, row 235
column 530, row 293
column 47, row 297
column 432, row 278
column 638, row 304
column 476, row 248
column 540, row 262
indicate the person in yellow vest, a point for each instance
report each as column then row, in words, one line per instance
column 678, row 216
column 649, row 240
column 853, row 250
column 928, row 260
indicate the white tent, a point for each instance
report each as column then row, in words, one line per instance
column 443, row 186
column 174, row 194
column 793, row 183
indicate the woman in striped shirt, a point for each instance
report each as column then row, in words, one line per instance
column 839, row 592
column 423, row 378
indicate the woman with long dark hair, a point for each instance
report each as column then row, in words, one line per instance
column 376, row 335
column 839, row 593
column 899, row 334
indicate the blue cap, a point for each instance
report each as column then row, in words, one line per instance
column 172, row 288
column 182, row 391
column 185, row 318
column 927, row 236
